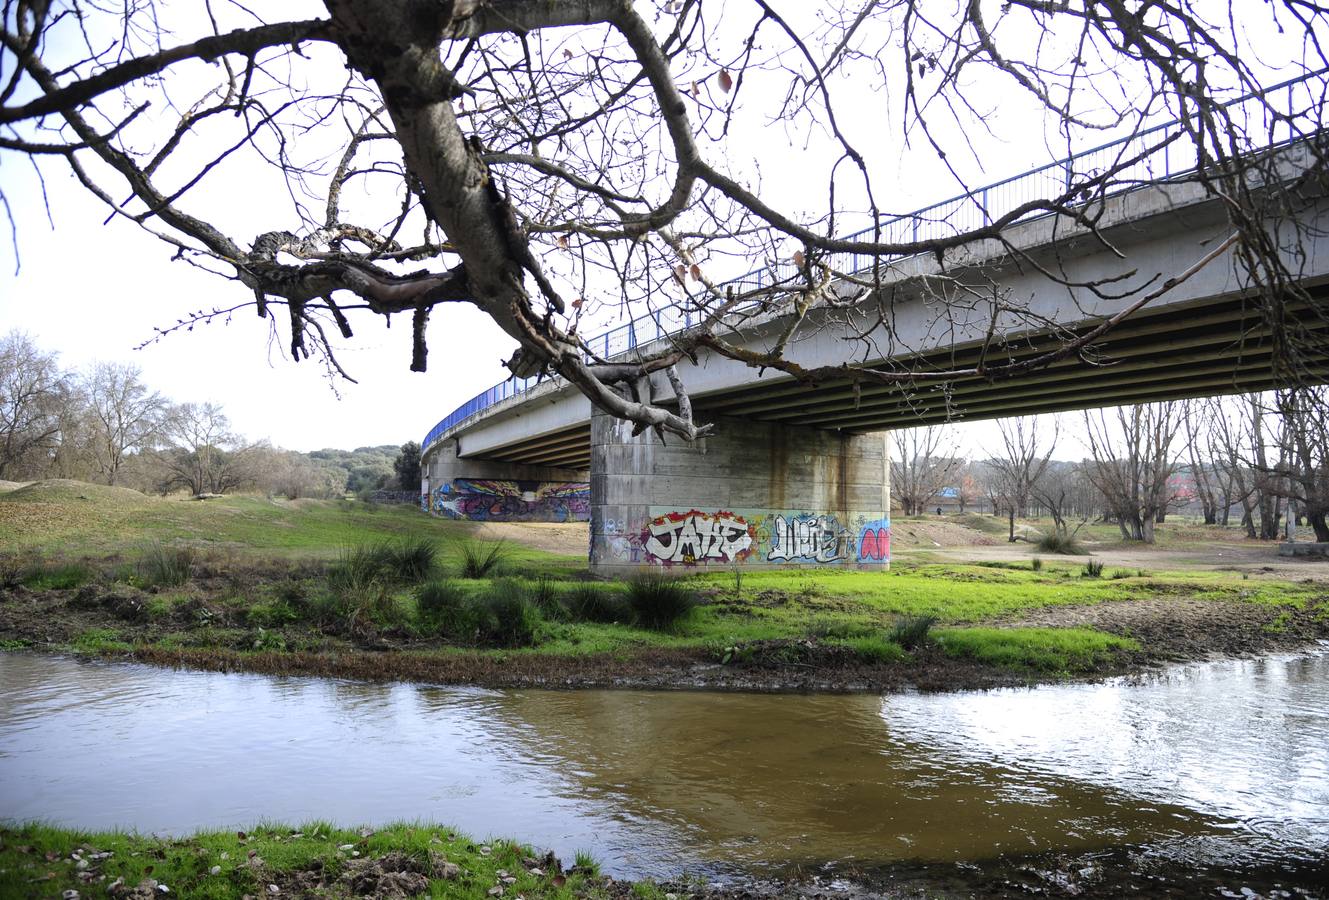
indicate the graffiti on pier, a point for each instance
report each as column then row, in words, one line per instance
column 693, row 536
column 514, row 501
column 807, row 538
column 874, row 541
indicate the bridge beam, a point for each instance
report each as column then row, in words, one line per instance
column 754, row 494
column 486, row 490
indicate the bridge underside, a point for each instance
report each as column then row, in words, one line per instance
column 1173, row 353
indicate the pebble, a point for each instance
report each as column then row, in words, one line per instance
column 496, row 891
column 70, row 894
column 215, row 870
column 346, row 847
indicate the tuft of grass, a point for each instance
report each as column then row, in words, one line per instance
column 1036, row 564
column 1064, row 544
column 56, row 577
column 586, row 863
column 444, row 608
column 588, row 603
column 482, row 559
column 658, row 601
column 511, row 617
column 876, row 649
column 1119, row 574
column 99, row 640
column 410, row 559
column 545, row 595
column 1092, row 569
column 163, row 566
column 912, row 632
column 1042, row 649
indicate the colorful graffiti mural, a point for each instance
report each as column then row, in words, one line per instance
column 807, row 538
column 695, row 536
column 513, row 501
column 874, row 541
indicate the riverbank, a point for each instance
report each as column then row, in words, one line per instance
column 760, row 642
column 349, row 590
column 410, row 860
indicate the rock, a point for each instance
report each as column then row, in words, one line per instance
column 215, row 870
column 69, row 894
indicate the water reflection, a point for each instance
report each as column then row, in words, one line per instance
column 657, row 782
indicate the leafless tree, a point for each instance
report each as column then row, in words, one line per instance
column 205, row 456
column 124, row 414
column 541, row 160
column 1068, row 495
column 1301, row 472
column 1022, row 462
column 33, row 391
column 1133, row 461
column 924, row 461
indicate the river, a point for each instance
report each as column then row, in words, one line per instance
column 1224, row 761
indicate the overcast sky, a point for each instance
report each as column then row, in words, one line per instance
column 95, row 291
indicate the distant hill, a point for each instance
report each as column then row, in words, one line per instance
column 366, row 468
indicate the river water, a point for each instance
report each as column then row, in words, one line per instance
column 1225, row 761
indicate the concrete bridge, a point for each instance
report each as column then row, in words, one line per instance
column 799, row 475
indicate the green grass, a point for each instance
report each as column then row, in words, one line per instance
column 40, row 861
column 332, row 576
column 60, row 576
column 1041, row 649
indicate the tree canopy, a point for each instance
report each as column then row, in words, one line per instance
column 547, row 160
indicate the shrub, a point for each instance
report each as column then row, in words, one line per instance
column 439, row 598
column 480, row 559
column 1056, row 542
column 587, row 603
column 911, row 632
column 1036, row 564
column 166, row 566
column 1092, row 569
column 357, row 568
column 658, row 601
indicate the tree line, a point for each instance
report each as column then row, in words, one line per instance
column 1254, row 459
column 106, row 424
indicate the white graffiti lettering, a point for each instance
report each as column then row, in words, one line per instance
column 696, row 536
column 811, row 538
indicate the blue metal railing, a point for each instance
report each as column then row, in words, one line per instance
column 1140, row 159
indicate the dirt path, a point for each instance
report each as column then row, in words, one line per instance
column 1254, row 558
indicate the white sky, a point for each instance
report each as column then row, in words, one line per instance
column 93, row 292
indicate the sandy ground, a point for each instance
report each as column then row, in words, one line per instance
column 572, row 539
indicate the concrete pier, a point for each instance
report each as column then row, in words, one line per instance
column 755, row 494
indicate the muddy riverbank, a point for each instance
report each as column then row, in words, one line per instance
column 117, row 623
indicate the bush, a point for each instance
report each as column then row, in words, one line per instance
column 587, row 603
column 1064, row 544
column 272, row 615
column 1092, row 569
column 480, row 559
column 911, row 632
column 658, row 601
column 166, row 566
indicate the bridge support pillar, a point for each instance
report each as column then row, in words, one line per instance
column 487, row 490
column 754, row 494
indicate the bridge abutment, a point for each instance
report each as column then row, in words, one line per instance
column 486, row 490
column 753, row 494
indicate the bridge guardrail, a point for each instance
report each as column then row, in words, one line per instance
column 956, row 215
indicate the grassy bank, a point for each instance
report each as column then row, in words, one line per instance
column 315, row 859
column 346, row 588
